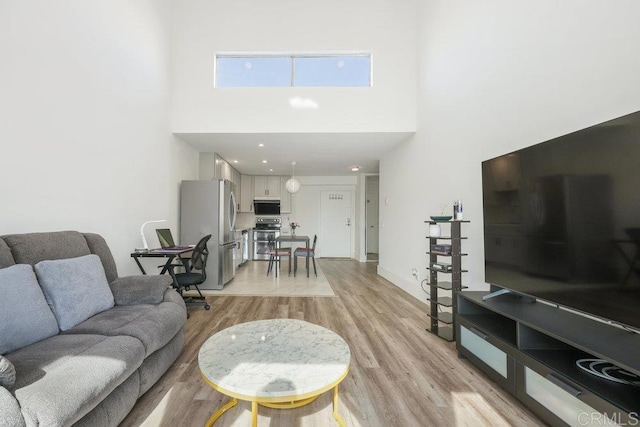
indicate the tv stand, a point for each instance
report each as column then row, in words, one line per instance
column 531, row 350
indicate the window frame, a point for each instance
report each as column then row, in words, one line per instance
column 292, row 57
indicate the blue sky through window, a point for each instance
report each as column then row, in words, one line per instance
column 278, row 71
column 336, row 71
column 254, row 72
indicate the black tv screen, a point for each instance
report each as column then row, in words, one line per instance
column 562, row 221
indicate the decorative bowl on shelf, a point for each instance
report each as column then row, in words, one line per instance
column 441, row 218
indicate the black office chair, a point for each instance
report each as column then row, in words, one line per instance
column 307, row 253
column 184, row 281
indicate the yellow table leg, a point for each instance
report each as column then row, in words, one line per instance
column 221, row 411
column 337, row 416
column 254, row 414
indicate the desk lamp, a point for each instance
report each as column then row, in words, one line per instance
column 145, row 246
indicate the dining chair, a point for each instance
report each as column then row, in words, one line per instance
column 275, row 255
column 307, row 253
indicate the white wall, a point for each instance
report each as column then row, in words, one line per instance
column 494, row 77
column 85, row 129
column 387, row 28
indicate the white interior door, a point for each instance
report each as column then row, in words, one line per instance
column 372, row 222
column 335, row 224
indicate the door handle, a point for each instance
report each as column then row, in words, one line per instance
column 478, row 333
column 563, row 385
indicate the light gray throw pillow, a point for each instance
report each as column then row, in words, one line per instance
column 75, row 288
column 25, row 317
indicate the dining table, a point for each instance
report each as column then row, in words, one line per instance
column 294, row 238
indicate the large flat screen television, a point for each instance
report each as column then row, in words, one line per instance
column 562, row 221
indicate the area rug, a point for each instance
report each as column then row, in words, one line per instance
column 251, row 279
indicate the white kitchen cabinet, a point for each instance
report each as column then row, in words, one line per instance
column 212, row 166
column 266, row 186
column 246, row 193
column 237, row 178
column 226, row 170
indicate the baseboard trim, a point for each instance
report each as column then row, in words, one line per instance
column 411, row 287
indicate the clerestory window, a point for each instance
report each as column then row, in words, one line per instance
column 293, row 70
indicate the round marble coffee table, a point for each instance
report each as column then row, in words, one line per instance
column 278, row 363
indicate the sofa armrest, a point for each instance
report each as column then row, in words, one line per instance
column 131, row 290
column 171, row 295
column 10, row 414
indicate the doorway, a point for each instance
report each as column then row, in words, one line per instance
column 335, row 224
column 372, row 215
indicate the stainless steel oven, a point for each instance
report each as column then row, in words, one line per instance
column 266, row 229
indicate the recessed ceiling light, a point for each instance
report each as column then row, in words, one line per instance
column 270, row 170
column 260, row 145
column 264, row 161
column 355, row 169
column 235, row 161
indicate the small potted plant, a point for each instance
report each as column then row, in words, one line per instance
column 293, row 225
column 443, row 216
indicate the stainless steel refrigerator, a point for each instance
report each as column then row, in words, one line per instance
column 209, row 207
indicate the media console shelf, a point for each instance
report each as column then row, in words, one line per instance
column 530, row 348
column 442, row 294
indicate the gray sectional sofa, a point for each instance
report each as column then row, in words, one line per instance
column 78, row 344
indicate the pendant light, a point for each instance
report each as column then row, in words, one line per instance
column 292, row 185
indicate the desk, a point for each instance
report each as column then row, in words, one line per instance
column 295, row 238
column 170, row 254
column 277, row 363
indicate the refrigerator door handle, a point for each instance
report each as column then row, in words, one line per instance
column 232, row 213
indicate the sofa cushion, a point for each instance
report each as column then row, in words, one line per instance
column 7, row 373
column 61, row 379
column 31, row 248
column 25, row 317
column 6, row 259
column 75, row 288
column 154, row 325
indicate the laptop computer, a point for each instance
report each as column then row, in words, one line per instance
column 166, row 239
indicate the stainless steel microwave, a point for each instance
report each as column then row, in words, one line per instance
column 266, row 207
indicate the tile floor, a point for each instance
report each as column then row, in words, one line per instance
column 251, row 279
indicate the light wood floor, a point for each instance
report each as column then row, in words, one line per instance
column 400, row 374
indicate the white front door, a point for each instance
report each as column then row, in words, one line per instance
column 335, row 224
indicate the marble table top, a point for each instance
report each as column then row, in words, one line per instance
column 274, row 358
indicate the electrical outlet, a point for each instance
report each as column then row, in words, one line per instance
column 414, row 273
